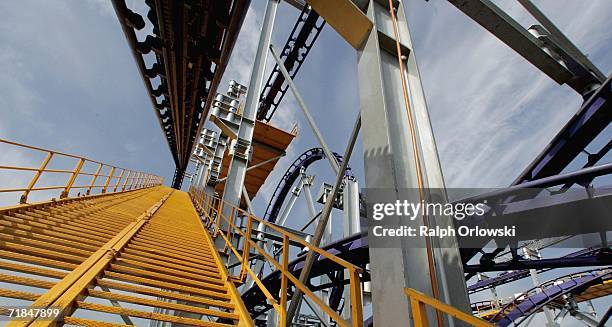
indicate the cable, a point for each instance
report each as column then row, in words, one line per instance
column 417, row 159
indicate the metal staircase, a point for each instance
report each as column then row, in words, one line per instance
column 145, row 247
column 116, row 248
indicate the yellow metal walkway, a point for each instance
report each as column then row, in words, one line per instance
column 114, row 259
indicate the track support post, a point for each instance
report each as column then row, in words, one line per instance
column 389, row 162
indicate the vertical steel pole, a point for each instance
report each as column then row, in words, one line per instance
column 390, row 164
column 240, row 149
column 352, row 225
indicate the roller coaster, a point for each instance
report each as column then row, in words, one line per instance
column 160, row 256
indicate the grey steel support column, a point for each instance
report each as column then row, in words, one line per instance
column 293, row 197
column 205, row 173
column 306, row 183
column 208, row 145
column 350, row 206
column 240, row 150
column 534, row 255
column 390, row 164
column 352, row 225
column 259, row 265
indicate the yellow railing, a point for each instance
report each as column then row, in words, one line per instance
column 213, row 207
column 111, row 178
column 418, row 302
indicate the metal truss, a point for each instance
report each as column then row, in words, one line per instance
column 191, row 43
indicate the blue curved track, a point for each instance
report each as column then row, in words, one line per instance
column 291, row 175
column 533, row 301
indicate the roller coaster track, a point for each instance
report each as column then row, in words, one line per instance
column 515, row 275
column 294, row 53
column 552, row 292
column 291, row 175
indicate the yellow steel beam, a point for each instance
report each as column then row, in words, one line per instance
column 64, row 293
column 418, row 301
column 344, row 16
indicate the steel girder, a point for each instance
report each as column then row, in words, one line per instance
column 191, row 42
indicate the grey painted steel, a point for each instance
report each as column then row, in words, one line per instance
column 259, row 265
column 509, row 31
column 565, row 42
column 241, row 148
column 306, row 183
column 350, row 204
column 245, row 195
column 323, row 318
column 352, row 225
column 321, row 227
column 389, row 164
column 294, row 196
column 534, row 255
column 328, row 154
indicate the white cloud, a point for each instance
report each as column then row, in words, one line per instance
column 492, row 111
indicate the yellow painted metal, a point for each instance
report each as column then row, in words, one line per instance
column 73, row 176
column 119, row 180
column 41, row 169
column 108, row 179
column 346, row 18
column 66, row 291
column 212, row 210
column 283, row 297
column 118, row 242
column 418, row 302
column 94, row 178
column 147, row 180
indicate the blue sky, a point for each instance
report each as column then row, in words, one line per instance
column 69, row 83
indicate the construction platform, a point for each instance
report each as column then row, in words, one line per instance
column 145, row 248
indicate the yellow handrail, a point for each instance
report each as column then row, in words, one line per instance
column 418, row 301
column 212, row 207
column 144, row 180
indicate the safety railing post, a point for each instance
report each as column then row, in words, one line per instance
column 419, row 313
column 127, row 179
column 229, row 224
column 284, row 282
column 108, row 179
column 356, row 304
column 41, row 169
column 418, row 305
column 135, row 181
column 140, row 181
column 94, row 178
column 73, row 177
column 247, row 248
column 219, row 217
column 119, row 180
